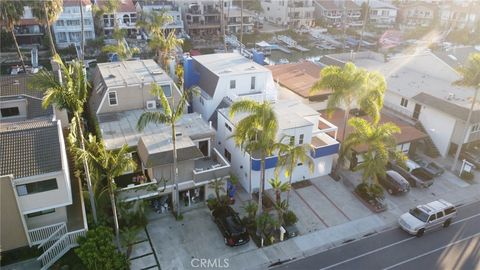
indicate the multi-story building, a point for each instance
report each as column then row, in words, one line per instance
column 460, row 15
column 29, row 31
column 41, row 204
column 233, row 17
column 203, row 21
column 338, row 12
column 418, row 14
column 381, row 14
column 168, row 7
column 121, row 94
column 67, row 29
column 125, row 17
column 294, row 13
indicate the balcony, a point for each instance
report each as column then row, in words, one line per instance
column 323, row 145
column 210, row 168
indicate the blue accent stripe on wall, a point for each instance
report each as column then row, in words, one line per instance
column 326, row 150
column 270, row 162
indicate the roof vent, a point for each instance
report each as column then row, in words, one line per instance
column 226, row 71
column 178, row 134
column 450, row 96
column 111, row 76
column 251, row 68
column 156, row 72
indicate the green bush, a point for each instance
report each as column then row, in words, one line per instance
column 369, row 192
column 467, row 176
column 289, row 218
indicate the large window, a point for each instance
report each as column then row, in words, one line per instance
column 404, row 102
column 8, row 112
column 252, row 83
column 36, row 187
column 232, row 84
column 300, row 140
column 112, row 98
column 40, row 213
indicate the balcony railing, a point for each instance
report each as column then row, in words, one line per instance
column 323, row 145
column 62, row 246
column 210, row 168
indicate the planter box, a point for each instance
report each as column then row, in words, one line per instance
column 372, row 207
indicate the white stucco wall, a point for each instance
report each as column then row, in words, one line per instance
column 439, row 126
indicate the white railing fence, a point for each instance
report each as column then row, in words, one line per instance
column 39, row 235
column 60, row 247
column 47, row 243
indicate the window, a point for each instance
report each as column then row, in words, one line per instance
column 8, row 112
column 431, row 218
column 39, row 213
column 73, row 22
column 228, row 127
column 232, row 84
column 439, row 214
column 112, row 98
column 404, row 102
column 60, row 23
column 475, row 128
column 228, row 156
column 252, row 83
column 202, row 101
column 36, row 187
column 292, row 140
column 167, row 90
column 300, row 141
column 450, row 210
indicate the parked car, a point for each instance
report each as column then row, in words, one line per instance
column 425, row 217
column 471, row 155
column 233, row 230
column 394, row 183
column 419, row 172
column 432, row 167
column 291, row 231
column 412, row 179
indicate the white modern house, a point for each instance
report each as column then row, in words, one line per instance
column 226, row 77
column 294, row 13
column 41, row 205
column 168, row 7
column 337, row 12
column 298, row 123
column 125, row 17
column 382, row 13
column 420, row 88
column 67, row 29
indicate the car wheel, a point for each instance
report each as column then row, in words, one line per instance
column 390, row 191
column 447, row 223
column 420, row 232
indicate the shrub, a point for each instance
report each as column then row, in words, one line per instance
column 369, row 192
column 289, row 218
column 467, row 175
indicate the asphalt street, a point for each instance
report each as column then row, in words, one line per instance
column 455, row 247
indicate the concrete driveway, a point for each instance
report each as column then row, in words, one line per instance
column 177, row 243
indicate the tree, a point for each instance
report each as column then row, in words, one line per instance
column 256, row 135
column 11, row 13
column 251, row 209
column 98, row 252
column 218, row 185
column 169, row 116
column 471, row 78
column 289, row 155
column 47, row 12
column 351, row 85
column 113, row 164
column 129, row 237
column 278, row 187
column 122, row 49
column 266, row 224
column 380, row 143
column 69, row 92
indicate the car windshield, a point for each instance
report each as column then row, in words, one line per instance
column 234, row 225
column 418, row 213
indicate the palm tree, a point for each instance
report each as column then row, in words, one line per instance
column 169, row 116
column 69, row 92
column 471, row 78
column 129, row 237
column 349, row 85
column 47, row 12
column 122, row 49
column 288, row 157
column 380, row 143
column 113, row 164
column 256, row 134
column 11, row 13
column 278, row 187
column 217, row 185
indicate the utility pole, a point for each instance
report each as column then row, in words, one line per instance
column 365, row 20
column 222, row 24
column 241, row 26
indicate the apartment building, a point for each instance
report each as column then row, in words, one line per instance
column 420, row 89
column 233, row 18
column 203, row 21
column 38, row 194
column 121, row 93
column 125, row 17
column 28, row 30
column 292, row 13
column 67, row 29
column 418, row 14
column 381, row 14
column 338, row 12
column 460, row 15
column 169, row 7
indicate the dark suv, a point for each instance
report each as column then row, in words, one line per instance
column 231, row 226
column 394, row 183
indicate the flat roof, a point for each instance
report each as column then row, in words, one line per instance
column 410, row 75
column 228, row 63
column 133, row 72
column 121, row 128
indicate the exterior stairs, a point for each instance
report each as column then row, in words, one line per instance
column 431, row 150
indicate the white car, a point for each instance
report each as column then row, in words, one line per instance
column 428, row 216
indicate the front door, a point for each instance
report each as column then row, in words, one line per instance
column 416, row 111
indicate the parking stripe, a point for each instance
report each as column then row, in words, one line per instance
column 309, row 207
column 343, row 213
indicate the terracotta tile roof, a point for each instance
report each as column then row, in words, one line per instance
column 125, row 5
column 70, row 3
column 408, row 132
column 298, row 77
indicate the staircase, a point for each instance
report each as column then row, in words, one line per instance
column 431, row 150
column 57, row 244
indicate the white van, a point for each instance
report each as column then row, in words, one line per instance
column 428, row 216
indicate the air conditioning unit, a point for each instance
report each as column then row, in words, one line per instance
column 151, row 104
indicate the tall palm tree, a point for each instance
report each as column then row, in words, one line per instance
column 380, row 143
column 11, row 13
column 352, row 85
column 69, row 92
column 289, row 155
column 47, row 12
column 113, row 164
column 256, row 134
column 471, row 78
column 169, row 116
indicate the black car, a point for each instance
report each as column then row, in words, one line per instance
column 231, row 226
column 394, row 183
